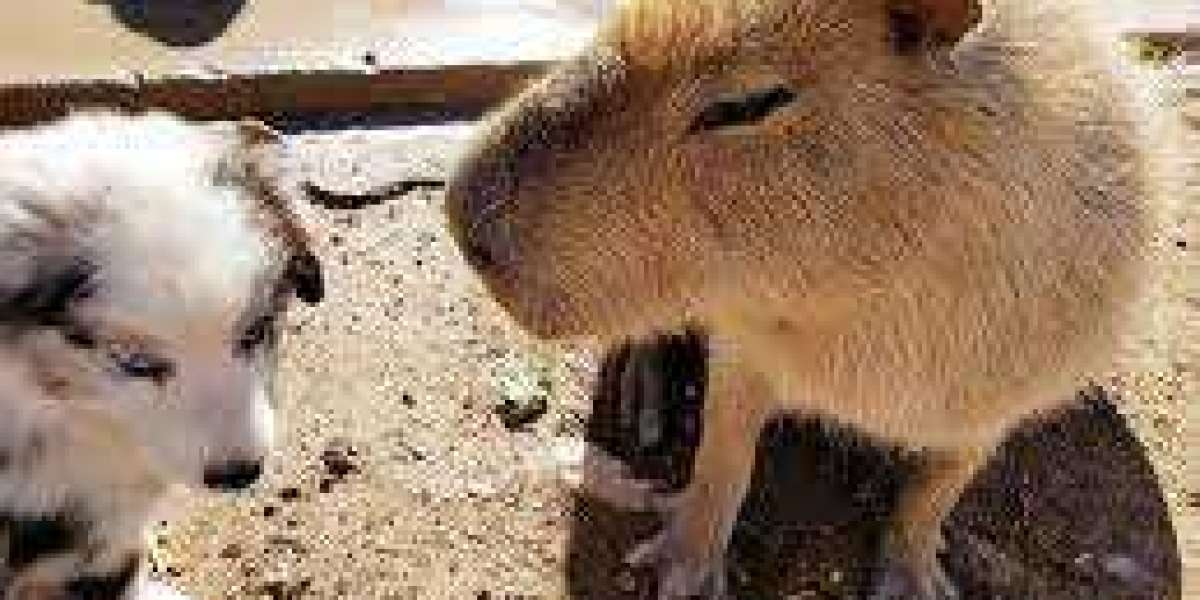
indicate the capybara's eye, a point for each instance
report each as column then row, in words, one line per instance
column 744, row 110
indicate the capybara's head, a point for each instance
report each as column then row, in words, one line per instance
column 708, row 152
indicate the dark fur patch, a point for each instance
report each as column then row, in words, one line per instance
column 44, row 301
column 30, row 539
column 652, row 420
column 107, row 586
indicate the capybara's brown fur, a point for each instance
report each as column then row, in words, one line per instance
column 924, row 218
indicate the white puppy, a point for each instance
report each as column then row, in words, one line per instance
column 143, row 264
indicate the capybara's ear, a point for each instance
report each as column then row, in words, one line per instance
column 918, row 24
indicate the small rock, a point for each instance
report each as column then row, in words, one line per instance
column 516, row 417
column 337, row 463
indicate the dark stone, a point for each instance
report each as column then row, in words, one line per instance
column 337, row 463
column 518, row 416
column 177, row 23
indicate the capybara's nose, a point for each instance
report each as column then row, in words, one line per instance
column 232, row 475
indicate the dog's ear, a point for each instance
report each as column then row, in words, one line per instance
column 48, row 288
column 304, row 275
column 919, row 24
column 255, row 143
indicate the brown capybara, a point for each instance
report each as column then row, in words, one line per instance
column 926, row 219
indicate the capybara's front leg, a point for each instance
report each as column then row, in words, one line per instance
column 911, row 569
column 689, row 551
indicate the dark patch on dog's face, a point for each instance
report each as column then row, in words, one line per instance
column 107, row 586
column 30, row 539
column 45, row 300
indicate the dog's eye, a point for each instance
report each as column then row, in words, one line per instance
column 79, row 337
column 256, row 333
column 744, row 110
column 142, row 365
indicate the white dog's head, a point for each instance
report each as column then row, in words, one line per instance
column 144, row 263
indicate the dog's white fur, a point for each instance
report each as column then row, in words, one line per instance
column 158, row 210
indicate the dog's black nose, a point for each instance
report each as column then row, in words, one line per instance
column 232, row 475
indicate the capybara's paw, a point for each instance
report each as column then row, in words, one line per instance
column 608, row 479
column 913, row 580
column 683, row 568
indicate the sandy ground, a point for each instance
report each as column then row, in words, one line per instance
column 397, row 478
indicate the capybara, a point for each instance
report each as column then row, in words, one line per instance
column 925, row 219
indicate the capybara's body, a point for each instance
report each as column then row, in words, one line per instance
column 924, row 218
